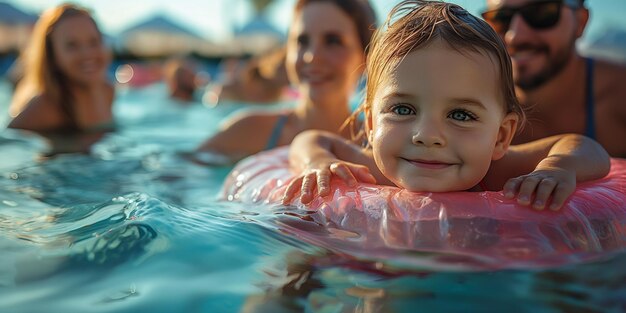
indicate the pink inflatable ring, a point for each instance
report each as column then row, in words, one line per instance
column 463, row 229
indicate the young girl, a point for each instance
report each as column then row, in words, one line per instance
column 440, row 113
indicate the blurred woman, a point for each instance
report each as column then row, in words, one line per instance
column 64, row 88
column 325, row 57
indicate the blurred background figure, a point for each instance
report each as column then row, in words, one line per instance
column 64, row 86
column 551, row 76
column 325, row 59
column 180, row 76
column 259, row 80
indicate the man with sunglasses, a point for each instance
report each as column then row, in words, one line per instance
column 563, row 91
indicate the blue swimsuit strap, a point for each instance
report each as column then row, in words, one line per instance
column 590, row 127
column 276, row 132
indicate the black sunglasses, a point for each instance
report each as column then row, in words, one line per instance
column 538, row 15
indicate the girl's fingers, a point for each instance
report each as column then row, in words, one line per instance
column 320, row 180
column 309, row 182
column 323, row 183
column 511, row 187
column 292, row 189
column 544, row 190
column 561, row 193
column 363, row 174
column 526, row 189
column 343, row 171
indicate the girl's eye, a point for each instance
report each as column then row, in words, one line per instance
column 334, row 39
column 402, row 110
column 462, row 115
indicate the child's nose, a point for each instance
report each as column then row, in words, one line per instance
column 427, row 141
column 428, row 134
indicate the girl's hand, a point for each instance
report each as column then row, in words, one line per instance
column 539, row 186
column 318, row 175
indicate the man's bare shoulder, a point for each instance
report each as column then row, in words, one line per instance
column 610, row 75
column 609, row 80
column 610, row 101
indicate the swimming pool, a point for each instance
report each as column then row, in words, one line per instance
column 135, row 226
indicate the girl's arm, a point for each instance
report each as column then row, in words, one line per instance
column 548, row 168
column 319, row 155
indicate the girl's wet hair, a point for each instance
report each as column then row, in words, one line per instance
column 360, row 11
column 414, row 24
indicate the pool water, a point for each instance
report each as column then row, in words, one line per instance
column 136, row 226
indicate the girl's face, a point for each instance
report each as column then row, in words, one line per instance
column 324, row 53
column 78, row 50
column 438, row 121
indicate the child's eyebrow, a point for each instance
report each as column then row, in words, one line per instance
column 468, row 101
column 395, row 95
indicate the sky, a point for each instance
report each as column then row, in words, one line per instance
column 215, row 19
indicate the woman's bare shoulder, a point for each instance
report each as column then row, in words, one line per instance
column 39, row 113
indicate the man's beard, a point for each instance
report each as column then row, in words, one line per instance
column 556, row 63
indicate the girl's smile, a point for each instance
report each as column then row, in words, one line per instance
column 428, row 164
column 438, row 120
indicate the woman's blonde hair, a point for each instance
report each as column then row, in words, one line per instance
column 41, row 74
column 413, row 24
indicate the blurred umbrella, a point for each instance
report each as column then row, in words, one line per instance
column 258, row 35
column 12, row 15
column 15, row 28
column 159, row 36
column 260, row 5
